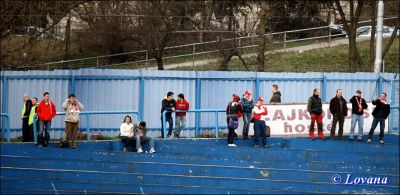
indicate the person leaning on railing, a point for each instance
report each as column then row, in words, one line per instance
column 72, row 109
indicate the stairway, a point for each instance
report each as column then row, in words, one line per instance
column 290, row 165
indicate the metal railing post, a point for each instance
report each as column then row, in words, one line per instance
column 216, row 125
column 193, row 53
column 147, row 58
column 7, row 126
column 324, row 88
column 35, row 129
column 164, row 123
column 97, row 62
column 284, row 41
column 88, row 126
column 380, row 82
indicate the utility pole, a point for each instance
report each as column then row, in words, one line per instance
column 379, row 35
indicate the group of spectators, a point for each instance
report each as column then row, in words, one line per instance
column 45, row 111
column 338, row 108
column 134, row 135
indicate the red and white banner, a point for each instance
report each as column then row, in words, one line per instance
column 294, row 120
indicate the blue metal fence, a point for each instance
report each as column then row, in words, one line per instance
column 143, row 91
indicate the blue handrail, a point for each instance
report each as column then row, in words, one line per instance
column 7, row 119
column 197, row 125
column 87, row 115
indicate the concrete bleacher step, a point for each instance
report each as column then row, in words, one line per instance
column 135, row 179
column 296, row 165
column 226, row 160
column 188, row 169
column 127, row 157
column 69, row 187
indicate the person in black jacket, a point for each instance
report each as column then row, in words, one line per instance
column 358, row 105
column 27, row 135
column 380, row 113
column 234, row 110
column 276, row 95
column 314, row 107
column 168, row 104
column 338, row 108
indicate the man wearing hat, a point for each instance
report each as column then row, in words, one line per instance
column 258, row 111
column 358, row 105
column 248, row 106
column 168, row 104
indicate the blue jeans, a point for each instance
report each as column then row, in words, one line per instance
column 170, row 121
column 246, row 124
column 260, row 129
column 180, row 123
column 141, row 140
column 43, row 132
column 373, row 126
column 355, row 118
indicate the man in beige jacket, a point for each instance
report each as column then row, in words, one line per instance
column 72, row 109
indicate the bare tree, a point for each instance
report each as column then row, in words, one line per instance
column 350, row 26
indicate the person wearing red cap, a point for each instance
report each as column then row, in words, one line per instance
column 258, row 111
column 233, row 112
column 248, row 106
column 314, row 107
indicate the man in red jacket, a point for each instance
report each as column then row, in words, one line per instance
column 45, row 112
column 258, row 111
column 180, row 117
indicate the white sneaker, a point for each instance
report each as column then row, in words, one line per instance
column 369, row 141
column 171, row 136
column 232, row 145
column 139, row 150
column 125, row 149
column 152, row 151
column 381, row 142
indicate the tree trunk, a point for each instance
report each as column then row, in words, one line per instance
column 67, row 38
column 226, row 59
column 160, row 63
column 389, row 44
column 355, row 60
column 262, row 42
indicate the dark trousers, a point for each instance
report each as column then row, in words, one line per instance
column 43, row 134
column 336, row 119
column 168, row 119
column 27, row 131
column 231, row 133
column 260, row 130
column 375, row 122
column 129, row 143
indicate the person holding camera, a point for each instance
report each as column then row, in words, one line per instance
column 72, row 109
column 380, row 113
